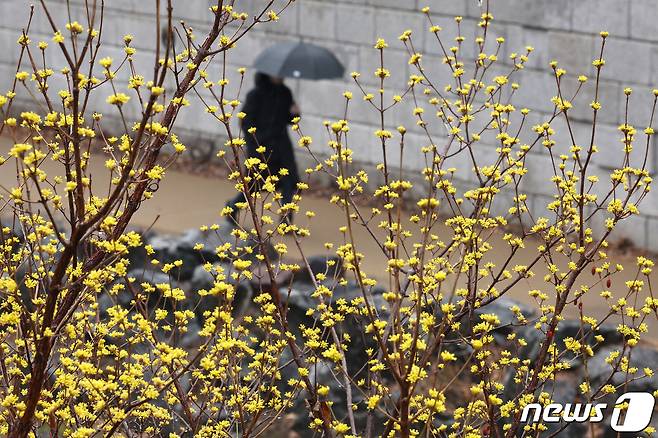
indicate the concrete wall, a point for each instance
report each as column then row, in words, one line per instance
column 564, row 30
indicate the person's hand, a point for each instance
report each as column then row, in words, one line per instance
column 294, row 109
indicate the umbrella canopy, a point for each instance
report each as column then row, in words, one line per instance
column 299, row 60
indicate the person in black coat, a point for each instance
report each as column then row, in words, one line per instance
column 269, row 108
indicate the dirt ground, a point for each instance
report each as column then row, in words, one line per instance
column 186, row 200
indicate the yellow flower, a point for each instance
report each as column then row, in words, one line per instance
column 381, row 44
column 106, row 62
column 74, row 27
column 156, row 172
column 58, row 37
column 118, row 99
column 156, row 91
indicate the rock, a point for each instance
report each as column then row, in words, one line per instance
column 13, row 228
column 563, row 390
column 167, row 250
column 191, row 338
column 138, row 257
column 211, row 239
column 574, row 329
column 568, row 329
column 171, row 248
column 508, row 319
column 201, row 279
column 501, row 308
column 352, row 290
column 299, row 301
column 601, row 373
column 105, row 301
column 330, row 266
column 640, row 357
column 153, row 277
column 154, row 299
column 509, row 322
column 261, row 278
column 299, row 297
column 204, row 280
column 125, row 297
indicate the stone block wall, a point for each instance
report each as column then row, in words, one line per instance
column 562, row 30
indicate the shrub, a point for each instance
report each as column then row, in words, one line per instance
column 416, row 350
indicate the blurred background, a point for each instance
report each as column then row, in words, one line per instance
column 562, row 30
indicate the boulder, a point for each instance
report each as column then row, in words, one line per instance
column 568, row 329
column 167, row 250
column 299, row 301
column 330, row 266
column 508, row 319
column 138, row 257
column 211, row 239
column 204, row 280
column 601, row 372
column 170, row 248
column 501, row 308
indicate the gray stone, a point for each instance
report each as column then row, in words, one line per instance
column 322, row 101
column 536, row 90
column 602, row 15
column 639, row 115
column 627, row 61
column 152, row 300
column 610, row 153
column 299, row 296
column 288, row 23
column 566, row 329
column 450, row 8
column 329, row 266
column 574, row 52
column 652, row 231
column 608, row 96
column 319, row 19
column 468, row 29
column 520, row 36
column 543, row 14
column 396, row 61
column 366, row 147
column 394, row 4
column 247, row 49
column 540, row 171
column 202, row 280
column 642, row 357
column 501, row 308
column 643, row 16
column 355, row 24
column 167, row 251
column 389, row 25
column 563, row 390
column 138, row 257
column 348, row 55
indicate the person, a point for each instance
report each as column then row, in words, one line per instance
column 270, row 108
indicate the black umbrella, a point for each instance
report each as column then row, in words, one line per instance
column 299, row 60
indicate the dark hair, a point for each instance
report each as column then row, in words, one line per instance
column 262, row 79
